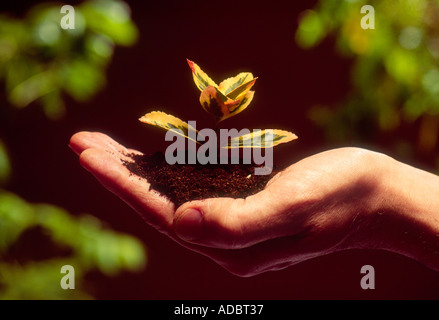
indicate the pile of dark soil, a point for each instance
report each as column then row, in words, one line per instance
column 186, row 182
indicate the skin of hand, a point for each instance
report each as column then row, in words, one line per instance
column 336, row 200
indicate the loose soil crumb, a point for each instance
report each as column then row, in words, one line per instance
column 186, row 182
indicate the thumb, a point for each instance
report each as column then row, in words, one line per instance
column 233, row 223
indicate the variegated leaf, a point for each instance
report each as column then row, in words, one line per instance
column 171, row 123
column 201, row 79
column 212, row 103
column 267, row 138
column 230, row 84
column 238, row 106
column 239, row 92
column 222, row 96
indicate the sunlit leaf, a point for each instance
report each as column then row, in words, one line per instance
column 239, row 106
column 212, row 102
column 240, row 92
column 201, row 79
column 261, row 139
column 235, row 86
column 171, row 123
column 229, row 98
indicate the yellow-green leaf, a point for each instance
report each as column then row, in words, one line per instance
column 171, row 123
column 238, row 106
column 267, row 138
column 239, row 92
column 234, row 86
column 213, row 103
column 201, row 79
column 230, row 84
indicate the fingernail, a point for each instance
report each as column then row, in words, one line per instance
column 189, row 225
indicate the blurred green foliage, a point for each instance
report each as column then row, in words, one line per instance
column 81, row 242
column 5, row 165
column 39, row 60
column 395, row 68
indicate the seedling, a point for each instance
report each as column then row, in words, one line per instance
column 222, row 101
column 245, row 172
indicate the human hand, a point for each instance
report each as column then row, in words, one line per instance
column 319, row 205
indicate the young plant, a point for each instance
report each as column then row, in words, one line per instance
column 222, row 101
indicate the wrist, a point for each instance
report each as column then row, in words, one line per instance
column 404, row 216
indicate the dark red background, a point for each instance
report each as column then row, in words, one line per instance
column 224, row 38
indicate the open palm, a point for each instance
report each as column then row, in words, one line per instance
column 307, row 210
